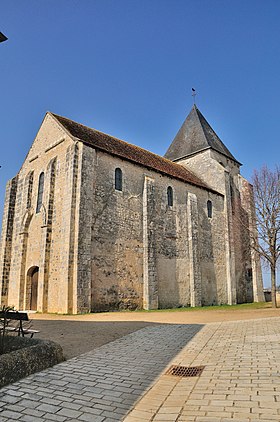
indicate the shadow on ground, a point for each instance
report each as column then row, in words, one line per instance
column 77, row 337
column 105, row 383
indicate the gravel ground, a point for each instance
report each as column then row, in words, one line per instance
column 78, row 334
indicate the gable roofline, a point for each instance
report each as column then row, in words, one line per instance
column 195, row 135
column 191, row 154
column 200, row 151
column 25, row 158
column 117, row 147
column 220, row 147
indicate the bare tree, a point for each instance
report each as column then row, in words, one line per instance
column 267, row 202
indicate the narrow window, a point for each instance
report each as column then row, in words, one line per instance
column 170, row 196
column 40, row 192
column 118, row 179
column 29, row 192
column 249, row 273
column 209, row 209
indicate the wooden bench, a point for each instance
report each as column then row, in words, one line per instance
column 20, row 328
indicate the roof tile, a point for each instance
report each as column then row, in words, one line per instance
column 112, row 145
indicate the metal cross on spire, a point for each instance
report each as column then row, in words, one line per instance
column 193, row 95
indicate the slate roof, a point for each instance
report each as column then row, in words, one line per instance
column 196, row 135
column 114, row 146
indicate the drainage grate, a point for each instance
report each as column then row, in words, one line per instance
column 185, row 371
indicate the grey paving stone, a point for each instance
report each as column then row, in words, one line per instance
column 93, row 410
column 30, row 404
column 16, row 408
column 10, row 399
column 112, row 399
column 10, row 415
column 54, row 417
column 33, row 412
column 69, row 405
column 82, row 402
column 49, row 400
column 64, row 397
column 108, row 376
column 103, row 407
column 31, row 396
column 28, row 418
column 49, row 408
column 88, row 417
column 58, row 382
column 13, row 392
column 70, row 413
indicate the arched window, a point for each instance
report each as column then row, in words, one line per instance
column 40, row 192
column 169, row 196
column 29, row 191
column 209, row 209
column 118, row 179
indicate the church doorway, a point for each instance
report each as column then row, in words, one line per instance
column 32, row 288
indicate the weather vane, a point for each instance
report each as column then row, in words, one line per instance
column 193, row 95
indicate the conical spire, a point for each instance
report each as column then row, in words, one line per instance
column 195, row 135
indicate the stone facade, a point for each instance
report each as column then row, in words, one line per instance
column 165, row 237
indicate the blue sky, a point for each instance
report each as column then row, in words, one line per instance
column 127, row 67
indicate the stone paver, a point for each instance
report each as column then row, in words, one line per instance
column 125, row 380
column 240, row 382
column 99, row 386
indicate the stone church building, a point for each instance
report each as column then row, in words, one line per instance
column 94, row 223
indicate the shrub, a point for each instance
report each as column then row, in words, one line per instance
column 3, row 326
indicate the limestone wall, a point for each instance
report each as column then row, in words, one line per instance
column 140, row 246
column 41, row 239
column 222, row 174
column 6, row 239
column 116, row 234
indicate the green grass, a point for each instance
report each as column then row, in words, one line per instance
column 256, row 305
column 246, row 306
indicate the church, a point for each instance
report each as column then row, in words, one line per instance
column 92, row 223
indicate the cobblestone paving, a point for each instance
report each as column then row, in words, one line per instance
column 102, row 385
column 240, row 382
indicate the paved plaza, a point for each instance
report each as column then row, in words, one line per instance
column 240, row 382
column 125, row 380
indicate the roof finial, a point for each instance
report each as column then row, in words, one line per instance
column 193, row 95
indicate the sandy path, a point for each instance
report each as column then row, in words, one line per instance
column 81, row 333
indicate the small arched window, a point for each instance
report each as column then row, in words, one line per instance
column 209, row 209
column 29, row 191
column 169, row 196
column 118, row 179
column 40, row 192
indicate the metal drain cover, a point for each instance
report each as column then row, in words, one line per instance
column 185, row 371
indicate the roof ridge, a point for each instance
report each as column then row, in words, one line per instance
column 88, row 127
column 198, row 113
column 201, row 125
column 201, row 119
column 121, row 140
column 134, row 153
